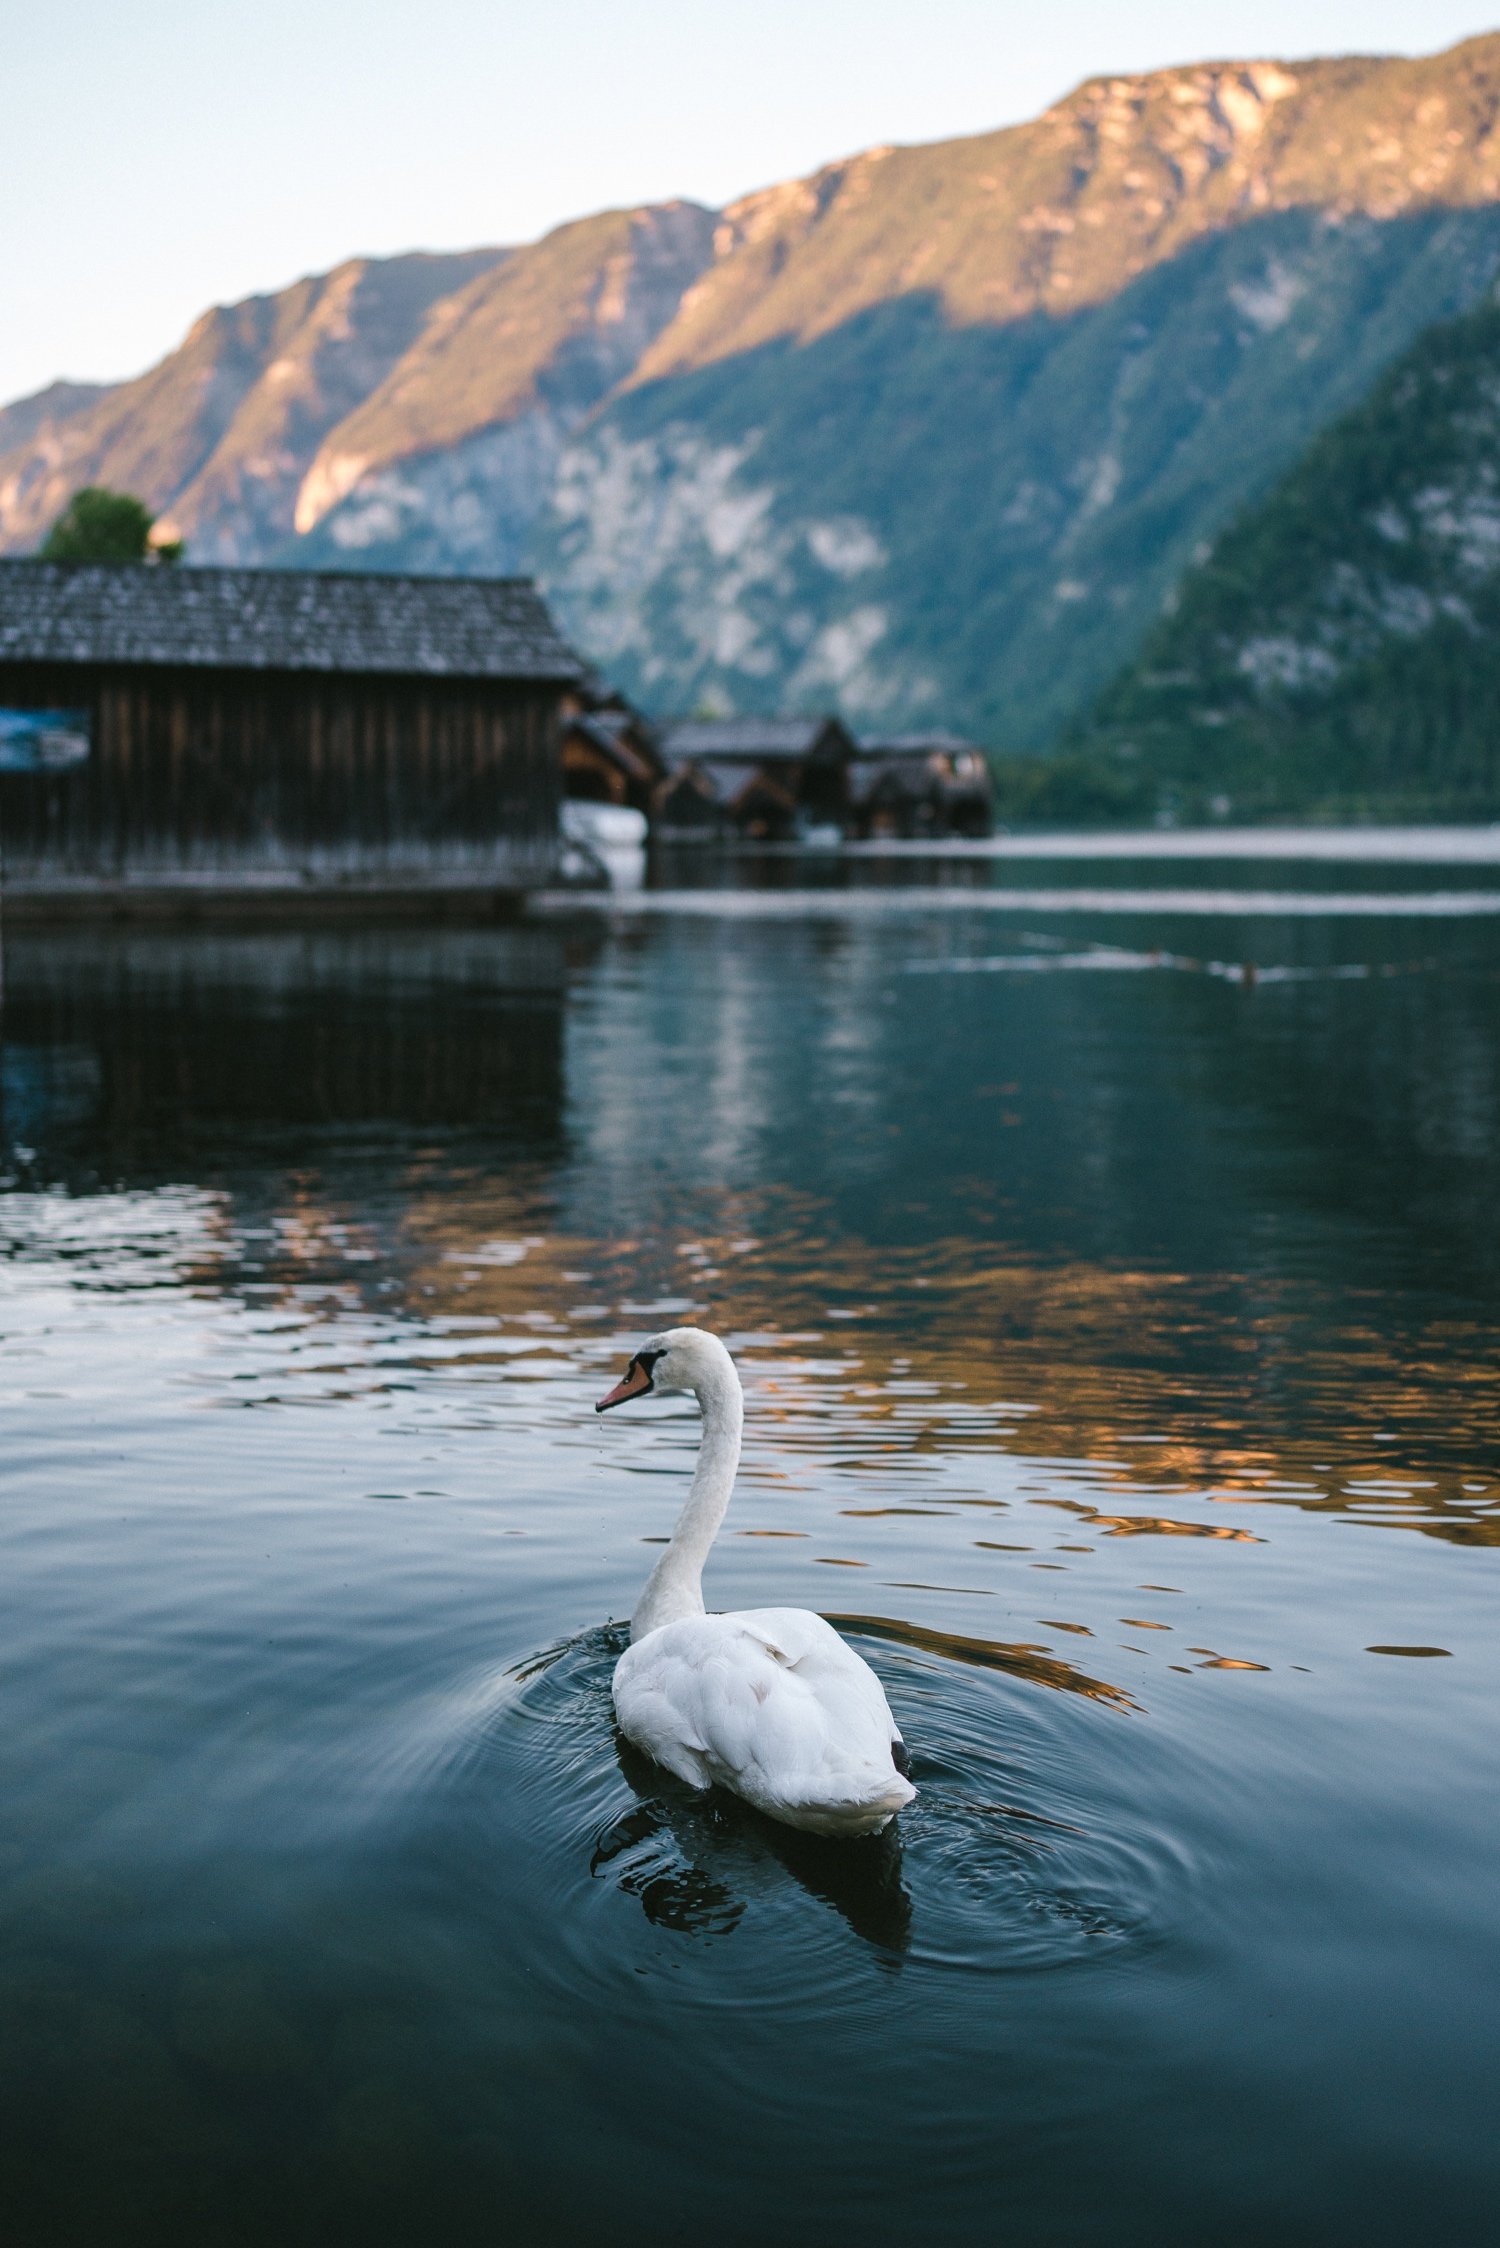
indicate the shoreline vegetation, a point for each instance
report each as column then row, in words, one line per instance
column 1099, row 789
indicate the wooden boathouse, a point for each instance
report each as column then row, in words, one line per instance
column 913, row 786
column 765, row 778
column 174, row 737
column 772, row 779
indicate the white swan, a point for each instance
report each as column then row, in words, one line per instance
column 766, row 1701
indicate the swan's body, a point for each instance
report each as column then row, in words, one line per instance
column 769, row 1702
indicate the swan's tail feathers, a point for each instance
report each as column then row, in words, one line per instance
column 897, row 1793
column 865, row 1813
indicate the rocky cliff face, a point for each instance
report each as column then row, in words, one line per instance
column 29, row 419
column 449, row 462
column 218, row 438
column 931, row 432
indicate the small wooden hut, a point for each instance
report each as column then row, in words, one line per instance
column 240, row 734
column 765, row 778
column 609, row 751
column 908, row 786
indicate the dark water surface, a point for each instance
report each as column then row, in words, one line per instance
column 1053, row 1243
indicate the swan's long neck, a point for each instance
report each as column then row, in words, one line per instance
column 675, row 1586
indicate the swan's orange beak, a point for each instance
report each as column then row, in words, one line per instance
column 636, row 1383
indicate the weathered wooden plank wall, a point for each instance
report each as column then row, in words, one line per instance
column 252, row 775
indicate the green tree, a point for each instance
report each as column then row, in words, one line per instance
column 98, row 525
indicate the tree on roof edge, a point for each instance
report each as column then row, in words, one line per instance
column 99, row 525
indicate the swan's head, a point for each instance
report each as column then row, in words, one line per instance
column 679, row 1358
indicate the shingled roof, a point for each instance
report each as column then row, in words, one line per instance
column 762, row 740
column 279, row 620
column 938, row 743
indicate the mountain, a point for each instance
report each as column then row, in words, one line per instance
column 449, row 461
column 1339, row 651
column 928, row 436
column 942, row 426
column 23, row 422
column 217, row 438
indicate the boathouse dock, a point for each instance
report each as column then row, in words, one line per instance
column 178, row 741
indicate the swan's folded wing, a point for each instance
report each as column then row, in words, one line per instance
column 816, row 1653
column 656, row 1697
column 706, row 1698
column 769, row 1702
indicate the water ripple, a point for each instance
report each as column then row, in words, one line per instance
column 1007, row 1862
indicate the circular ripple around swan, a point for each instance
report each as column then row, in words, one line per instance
column 1024, row 1847
column 1021, row 1853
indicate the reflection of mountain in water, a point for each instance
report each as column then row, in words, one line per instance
column 1176, row 1123
column 1253, row 1229
column 1257, row 1226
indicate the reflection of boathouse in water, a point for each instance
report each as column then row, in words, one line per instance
column 270, row 734
column 325, row 1056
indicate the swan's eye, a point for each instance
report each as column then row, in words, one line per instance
column 646, row 1360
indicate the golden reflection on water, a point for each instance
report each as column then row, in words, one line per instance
column 1150, row 1525
column 1020, row 1658
column 1233, row 1388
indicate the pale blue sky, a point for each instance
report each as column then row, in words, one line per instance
column 165, row 155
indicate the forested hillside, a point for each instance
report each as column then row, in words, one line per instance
column 1340, row 649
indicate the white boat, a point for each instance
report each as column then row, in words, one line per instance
column 603, row 839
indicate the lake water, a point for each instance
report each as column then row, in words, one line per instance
column 1147, row 1239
